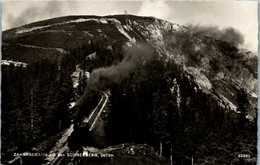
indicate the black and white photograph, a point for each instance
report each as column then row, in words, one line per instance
column 129, row 82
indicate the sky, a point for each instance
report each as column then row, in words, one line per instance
column 223, row 14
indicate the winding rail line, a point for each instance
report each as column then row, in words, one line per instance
column 62, row 145
column 91, row 120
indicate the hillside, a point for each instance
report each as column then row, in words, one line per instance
column 146, row 63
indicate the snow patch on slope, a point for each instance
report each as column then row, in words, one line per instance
column 155, row 32
column 228, row 103
column 101, row 20
column 91, row 56
column 249, row 117
column 254, row 95
column 121, row 29
column 175, row 89
column 61, row 146
column 26, row 30
column 15, row 63
column 80, row 20
column 72, row 105
column 200, row 78
column 127, row 27
column 48, row 48
column 32, row 29
column 76, row 74
column 88, row 33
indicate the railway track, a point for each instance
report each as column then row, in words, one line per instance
column 91, row 120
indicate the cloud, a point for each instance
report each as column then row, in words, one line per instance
column 157, row 9
column 24, row 15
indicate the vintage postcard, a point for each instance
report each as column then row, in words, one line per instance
column 129, row 82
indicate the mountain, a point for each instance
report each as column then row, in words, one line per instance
column 216, row 72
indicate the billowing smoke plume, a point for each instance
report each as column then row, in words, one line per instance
column 104, row 78
column 229, row 35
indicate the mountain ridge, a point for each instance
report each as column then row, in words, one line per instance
column 197, row 54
